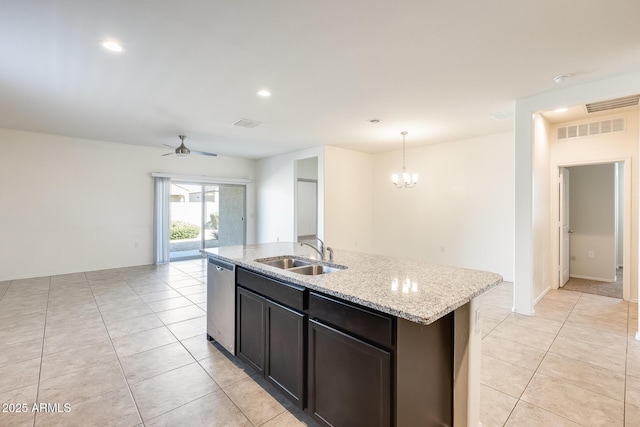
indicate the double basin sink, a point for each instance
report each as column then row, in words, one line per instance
column 308, row 267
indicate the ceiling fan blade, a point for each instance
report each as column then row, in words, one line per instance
column 183, row 151
column 202, row 153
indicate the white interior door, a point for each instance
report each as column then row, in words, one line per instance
column 564, row 229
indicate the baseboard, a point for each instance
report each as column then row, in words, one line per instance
column 597, row 279
column 546, row 291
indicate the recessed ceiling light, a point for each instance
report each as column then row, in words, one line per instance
column 264, row 93
column 561, row 110
column 562, row 78
column 112, row 46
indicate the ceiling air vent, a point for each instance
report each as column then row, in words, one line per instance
column 246, row 123
column 612, row 104
column 503, row 115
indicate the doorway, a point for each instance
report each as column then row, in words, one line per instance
column 593, row 237
column 306, row 199
column 307, row 208
column 204, row 215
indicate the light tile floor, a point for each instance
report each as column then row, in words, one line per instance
column 124, row 347
column 127, row 347
column 575, row 363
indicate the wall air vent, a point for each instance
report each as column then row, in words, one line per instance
column 246, row 123
column 627, row 101
column 592, row 128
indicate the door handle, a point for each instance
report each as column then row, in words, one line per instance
column 570, row 231
column 219, row 268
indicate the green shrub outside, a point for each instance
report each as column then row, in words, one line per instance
column 180, row 230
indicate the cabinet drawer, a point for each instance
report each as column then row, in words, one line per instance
column 284, row 293
column 359, row 321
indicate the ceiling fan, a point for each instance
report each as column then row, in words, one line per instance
column 183, row 151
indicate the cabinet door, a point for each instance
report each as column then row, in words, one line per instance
column 250, row 328
column 349, row 380
column 285, row 339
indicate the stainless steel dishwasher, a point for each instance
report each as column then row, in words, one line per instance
column 221, row 303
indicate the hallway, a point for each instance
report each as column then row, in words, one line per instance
column 576, row 362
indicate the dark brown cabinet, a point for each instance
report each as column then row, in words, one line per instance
column 349, row 371
column 250, row 328
column 345, row 364
column 349, row 380
column 284, row 350
column 271, row 336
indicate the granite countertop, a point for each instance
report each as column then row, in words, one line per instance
column 375, row 281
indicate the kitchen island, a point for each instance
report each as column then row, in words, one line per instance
column 376, row 341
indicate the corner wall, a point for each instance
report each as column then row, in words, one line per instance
column 542, row 267
column 349, row 209
column 275, row 200
column 71, row 204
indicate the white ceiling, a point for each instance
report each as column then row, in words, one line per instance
column 437, row 68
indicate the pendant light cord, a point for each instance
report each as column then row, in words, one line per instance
column 404, row 134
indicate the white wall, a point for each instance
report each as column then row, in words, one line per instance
column 70, row 204
column 349, row 208
column 592, row 219
column 461, row 211
column 542, row 266
column 276, row 191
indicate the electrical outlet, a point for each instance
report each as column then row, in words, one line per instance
column 591, row 254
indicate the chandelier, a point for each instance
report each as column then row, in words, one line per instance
column 409, row 180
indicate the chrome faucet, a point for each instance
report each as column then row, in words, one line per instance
column 320, row 251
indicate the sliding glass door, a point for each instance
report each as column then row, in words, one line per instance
column 204, row 216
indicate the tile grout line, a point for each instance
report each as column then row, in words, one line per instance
column 626, row 362
column 547, row 352
column 177, row 341
column 135, row 403
column 6, row 289
column 542, row 360
column 198, row 362
column 222, row 389
column 44, row 333
column 539, row 363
